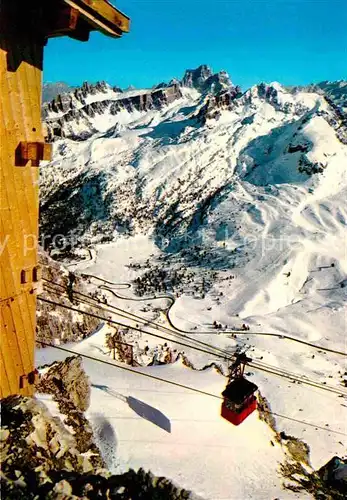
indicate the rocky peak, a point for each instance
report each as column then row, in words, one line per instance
column 196, row 78
column 204, row 80
column 218, row 82
column 225, row 99
column 64, row 102
column 174, row 81
column 90, row 89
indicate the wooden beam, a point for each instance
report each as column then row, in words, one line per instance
column 24, row 28
column 102, row 16
column 63, row 22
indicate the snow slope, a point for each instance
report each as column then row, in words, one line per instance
column 178, row 433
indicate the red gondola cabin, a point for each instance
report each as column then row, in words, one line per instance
column 239, row 399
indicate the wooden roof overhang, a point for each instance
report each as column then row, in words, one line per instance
column 77, row 18
column 43, row 19
column 28, row 22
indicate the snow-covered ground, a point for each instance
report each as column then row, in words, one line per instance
column 180, row 434
column 141, row 422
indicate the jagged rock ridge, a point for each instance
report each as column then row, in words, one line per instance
column 51, row 89
column 160, row 160
column 142, row 102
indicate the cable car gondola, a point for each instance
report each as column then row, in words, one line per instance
column 239, row 399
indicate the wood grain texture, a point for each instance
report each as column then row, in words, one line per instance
column 20, row 121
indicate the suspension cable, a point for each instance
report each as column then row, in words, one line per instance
column 226, row 357
column 182, row 386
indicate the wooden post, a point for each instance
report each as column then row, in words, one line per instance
column 20, row 135
column 25, row 26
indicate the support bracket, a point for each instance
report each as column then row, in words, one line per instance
column 34, row 152
column 28, row 379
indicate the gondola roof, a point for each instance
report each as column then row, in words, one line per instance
column 239, row 389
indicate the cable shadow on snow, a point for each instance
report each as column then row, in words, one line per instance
column 141, row 408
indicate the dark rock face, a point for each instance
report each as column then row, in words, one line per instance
column 63, row 102
column 232, row 97
column 204, row 80
column 156, row 99
column 339, row 119
column 334, row 474
column 67, row 379
column 218, row 82
column 214, row 103
column 196, row 78
column 308, row 167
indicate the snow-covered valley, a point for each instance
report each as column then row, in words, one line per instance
column 216, row 221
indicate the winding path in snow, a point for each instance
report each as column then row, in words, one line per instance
column 174, row 327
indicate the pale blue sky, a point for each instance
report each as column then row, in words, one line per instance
column 291, row 41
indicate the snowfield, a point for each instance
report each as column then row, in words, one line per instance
column 139, row 422
column 249, row 197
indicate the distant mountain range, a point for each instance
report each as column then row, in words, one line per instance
column 50, row 90
column 161, row 159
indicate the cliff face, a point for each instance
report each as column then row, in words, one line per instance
column 196, row 78
column 66, row 380
column 66, row 100
column 68, row 109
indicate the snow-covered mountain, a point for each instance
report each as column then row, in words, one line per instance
column 234, row 204
column 162, row 159
column 335, row 91
column 249, row 177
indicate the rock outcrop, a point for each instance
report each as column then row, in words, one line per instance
column 66, row 380
column 35, row 447
column 196, row 78
column 42, row 458
column 64, row 101
column 59, row 324
column 215, row 103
